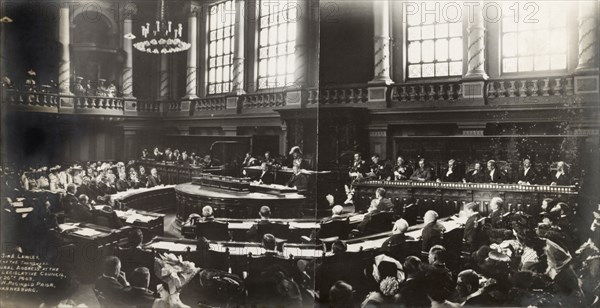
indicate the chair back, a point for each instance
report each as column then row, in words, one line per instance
column 213, row 230
column 333, row 228
column 279, row 230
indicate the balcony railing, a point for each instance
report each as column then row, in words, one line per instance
column 350, row 94
column 263, row 100
column 423, row 92
column 31, row 99
column 97, row 103
column 529, row 87
column 211, row 104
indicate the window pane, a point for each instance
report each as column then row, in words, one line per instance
column 428, row 51
column 539, row 46
column 220, row 43
column 435, row 43
column 441, row 50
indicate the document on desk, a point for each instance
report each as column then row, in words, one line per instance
column 302, row 252
column 87, row 232
column 170, row 246
column 304, row 225
column 241, row 225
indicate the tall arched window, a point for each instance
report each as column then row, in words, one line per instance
column 535, row 38
column 221, row 20
column 434, row 39
column 277, row 43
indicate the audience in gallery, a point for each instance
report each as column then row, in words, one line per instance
column 80, row 87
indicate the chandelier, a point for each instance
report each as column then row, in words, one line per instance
column 164, row 38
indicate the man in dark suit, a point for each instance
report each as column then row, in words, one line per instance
column 113, row 283
column 265, row 214
column 450, row 174
column 476, row 175
column 207, row 213
column 297, row 180
column 107, row 217
column 359, row 168
column 383, row 203
column 139, row 295
column 402, row 171
column 432, row 232
column 122, row 184
column 494, row 175
column 157, row 155
column 153, row 178
column 496, row 216
column 336, row 214
column 423, row 173
column 395, row 245
column 560, row 177
column 528, row 174
column 472, row 233
column 82, row 211
column 266, row 176
column 69, row 201
column 379, row 169
column 373, row 209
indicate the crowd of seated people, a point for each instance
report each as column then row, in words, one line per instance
column 401, row 170
column 80, row 87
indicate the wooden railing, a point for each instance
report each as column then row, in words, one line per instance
column 210, row 104
column 263, row 100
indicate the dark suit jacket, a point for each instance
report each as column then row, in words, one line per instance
column 453, row 177
column 104, row 189
column 495, row 218
column 81, row 213
column 473, row 177
column 422, row 173
column 140, row 298
column 153, row 181
column 431, row 235
column 122, row 185
column 385, row 204
column 69, row 202
column 530, row 177
column 252, row 233
column 564, row 179
column 359, row 166
column 364, row 225
column 395, row 246
column 266, row 178
column 498, row 176
column 403, row 175
column 299, row 181
column 111, row 288
column 469, row 234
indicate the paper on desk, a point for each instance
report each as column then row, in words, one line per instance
column 24, row 210
column 241, row 225
column 20, row 199
column 302, row 252
column 66, row 227
column 87, row 232
column 304, row 225
column 17, row 204
column 171, row 246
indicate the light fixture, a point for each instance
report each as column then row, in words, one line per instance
column 163, row 39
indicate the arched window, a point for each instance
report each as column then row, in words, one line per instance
column 535, row 38
column 434, row 39
column 221, row 21
column 276, row 43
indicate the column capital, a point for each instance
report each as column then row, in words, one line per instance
column 128, row 10
column 192, row 9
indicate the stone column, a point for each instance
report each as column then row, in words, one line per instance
column 163, row 88
column 476, row 44
column 191, row 82
column 381, row 16
column 588, row 36
column 238, row 49
column 296, row 93
column 587, row 79
column 127, row 74
column 64, row 38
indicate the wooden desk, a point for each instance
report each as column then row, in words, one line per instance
column 151, row 224
column 153, row 199
column 93, row 243
column 172, row 173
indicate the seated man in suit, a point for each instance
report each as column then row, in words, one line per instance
column 122, row 184
column 107, row 217
column 383, row 203
column 450, row 174
column 336, row 214
column 402, row 171
column 374, row 208
column 297, row 180
column 113, row 284
column 265, row 214
column 379, row 169
column 423, row 173
column 560, row 177
column 153, row 179
column 476, row 175
column 139, row 295
column 494, row 175
column 527, row 175
column 82, row 211
column 472, row 234
column 69, row 201
column 496, row 215
column 270, row 245
column 266, row 176
column 207, row 213
column 359, row 167
column 394, row 246
column 432, row 232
